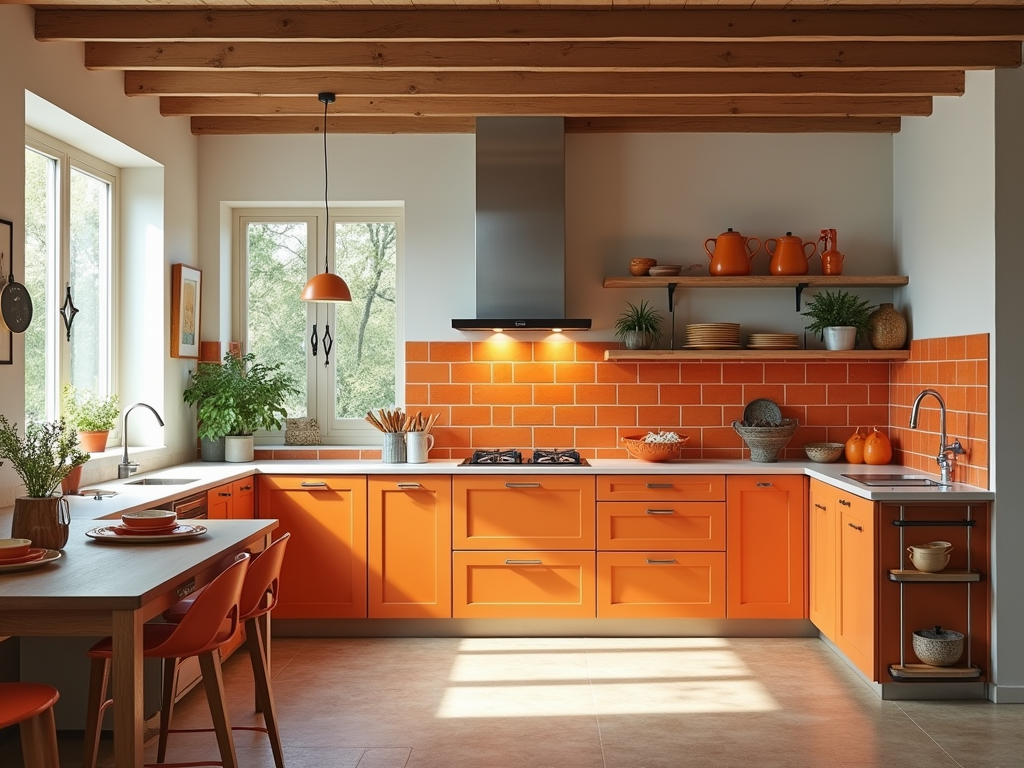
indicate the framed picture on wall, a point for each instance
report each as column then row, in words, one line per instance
column 6, row 268
column 186, row 284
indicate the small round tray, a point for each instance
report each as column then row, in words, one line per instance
column 762, row 411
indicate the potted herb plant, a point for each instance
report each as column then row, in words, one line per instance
column 92, row 415
column 838, row 318
column 208, row 390
column 639, row 326
column 42, row 458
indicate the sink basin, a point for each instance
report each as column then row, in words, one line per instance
column 900, row 481
column 163, row 481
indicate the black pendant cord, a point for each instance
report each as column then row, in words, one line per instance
column 328, row 342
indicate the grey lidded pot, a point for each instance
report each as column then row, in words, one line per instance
column 938, row 647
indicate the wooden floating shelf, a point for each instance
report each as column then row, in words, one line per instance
column 910, row 575
column 759, row 281
column 928, row 672
column 669, row 355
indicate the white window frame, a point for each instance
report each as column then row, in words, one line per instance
column 58, row 351
column 320, row 381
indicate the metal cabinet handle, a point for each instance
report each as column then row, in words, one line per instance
column 317, row 484
column 764, row 485
column 409, row 485
column 246, row 488
column 845, row 503
column 654, row 486
column 522, row 485
column 856, row 527
column 222, row 493
column 523, row 562
column 659, row 562
column 661, row 511
column 822, row 507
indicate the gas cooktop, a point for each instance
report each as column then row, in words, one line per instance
column 512, row 457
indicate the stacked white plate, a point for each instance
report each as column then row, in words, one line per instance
column 773, row 341
column 713, row 336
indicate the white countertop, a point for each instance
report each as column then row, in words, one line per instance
column 206, row 475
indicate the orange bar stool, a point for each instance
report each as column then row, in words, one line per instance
column 213, row 620
column 31, row 706
column 259, row 596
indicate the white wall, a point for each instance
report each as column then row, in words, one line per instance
column 54, row 72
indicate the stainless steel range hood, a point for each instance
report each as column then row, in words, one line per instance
column 520, row 226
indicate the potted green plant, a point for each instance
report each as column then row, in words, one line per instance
column 838, row 318
column 208, row 390
column 92, row 415
column 639, row 326
column 47, row 454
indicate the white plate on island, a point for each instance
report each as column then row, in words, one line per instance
column 107, row 533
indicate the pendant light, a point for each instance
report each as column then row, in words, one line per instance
column 325, row 287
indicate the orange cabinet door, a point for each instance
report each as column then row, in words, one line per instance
column 766, row 546
column 324, row 571
column 523, row 585
column 661, row 488
column 684, row 585
column 823, row 560
column 410, row 547
column 218, row 502
column 523, row 512
column 243, row 498
column 855, row 615
column 638, row 526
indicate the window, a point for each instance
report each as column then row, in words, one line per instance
column 360, row 371
column 69, row 246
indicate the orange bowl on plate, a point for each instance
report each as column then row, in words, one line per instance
column 12, row 548
column 639, row 448
column 149, row 518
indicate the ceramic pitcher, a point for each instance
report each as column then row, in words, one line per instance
column 789, row 254
column 732, row 254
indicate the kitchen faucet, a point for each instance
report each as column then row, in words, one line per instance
column 128, row 468
column 947, row 452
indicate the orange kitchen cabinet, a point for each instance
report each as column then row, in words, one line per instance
column 765, row 542
column 523, row 585
column 676, row 585
column 232, row 501
column 324, row 572
column 669, row 525
column 661, row 488
column 823, row 559
column 409, row 547
column 545, row 512
column 855, row 610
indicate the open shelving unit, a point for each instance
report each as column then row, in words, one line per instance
column 667, row 355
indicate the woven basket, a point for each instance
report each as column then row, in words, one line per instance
column 302, row 431
column 639, row 448
column 766, row 442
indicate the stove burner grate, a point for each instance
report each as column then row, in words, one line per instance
column 496, row 456
column 555, row 456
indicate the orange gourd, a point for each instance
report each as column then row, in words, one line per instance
column 855, row 448
column 877, row 448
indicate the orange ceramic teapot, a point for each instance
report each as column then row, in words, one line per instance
column 831, row 258
column 732, row 254
column 789, row 254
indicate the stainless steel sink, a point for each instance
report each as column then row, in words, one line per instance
column 163, row 481
column 897, row 481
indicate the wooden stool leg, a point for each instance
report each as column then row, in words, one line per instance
column 213, row 681
column 99, row 671
column 170, row 686
column 39, row 741
column 264, row 695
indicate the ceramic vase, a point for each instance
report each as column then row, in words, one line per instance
column 238, row 448
column 840, row 337
column 44, row 520
column 888, row 328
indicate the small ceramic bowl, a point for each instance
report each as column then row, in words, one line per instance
column 824, row 453
column 640, row 267
column 149, row 518
column 932, row 557
column 12, row 548
column 938, row 647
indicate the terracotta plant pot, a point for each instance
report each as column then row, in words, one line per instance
column 43, row 520
column 93, row 442
column 72, row 482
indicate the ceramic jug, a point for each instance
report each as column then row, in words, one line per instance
column 732, row 254
column 831, row 258
column 789, row 254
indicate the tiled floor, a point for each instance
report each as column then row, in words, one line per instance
column 587, row 703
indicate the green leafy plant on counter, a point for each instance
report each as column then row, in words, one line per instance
column 829, row 310
column 44, row 457
column 89, row 412
column 638, row 326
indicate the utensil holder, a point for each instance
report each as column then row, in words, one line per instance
column 393, row 450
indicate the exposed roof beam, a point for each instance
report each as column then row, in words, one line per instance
column 554, row 56
column 253, row 23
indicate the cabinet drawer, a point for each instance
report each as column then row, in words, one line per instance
column 661, row 487
column 523, row 512
column 638, row 585
column 637, row 526
column 312, row 483
column 523, row 585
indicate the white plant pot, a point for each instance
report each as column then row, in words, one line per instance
column 238, row 448
column 840, row 337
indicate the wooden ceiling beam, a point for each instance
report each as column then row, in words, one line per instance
column 141, row 83
column 690, row 23
column 231, row 126
column 554, row 56
column 578, row 106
